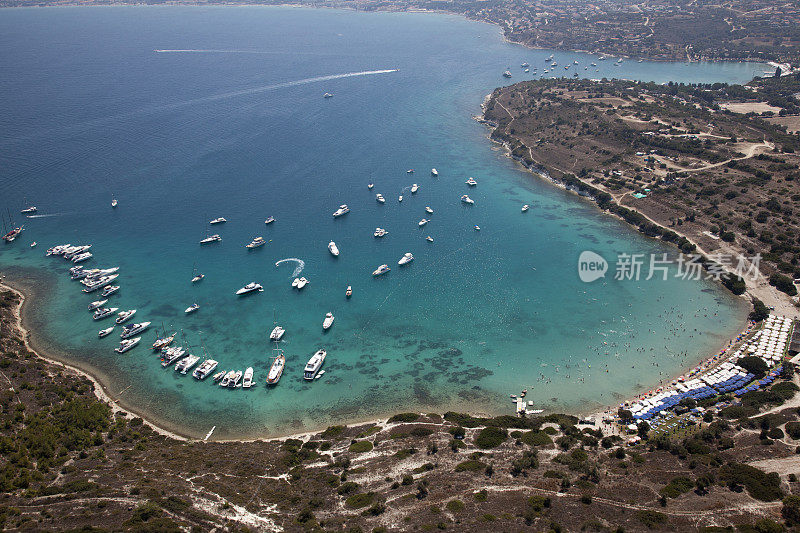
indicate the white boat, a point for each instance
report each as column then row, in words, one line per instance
column 82, row 257
column 343, row 210
column 97, row 303
column 250, row 287
column 407, row 258
column 126, row 345
column 321, row 373
column 423, row 222
column 414, row 188
column 234, row 381
column 429, row 238
column 299, row 283
column 434, row 172
column 428, row 210
column 218, row 376
column 380, row 232
column 172, row 354
column 205, row 368
column 314, row 364
column 525, row 64
column 410, row 171
column 471, row 182
column 109, row 290
column 192, row 308
column 467, row 200
column 269, row 220
column 276, row 369
column 33, row 244
column 227, row 378
column 349, row 292
column 114, row 202
column 29, row 210
column 400, row 198
column 219, row 220
column 379, row 197
column 525, row 207
column 247, row 382
column 104, row 312
column 328, row 322
column 186, row 363
column 327, row 95
column 255, row 243
column 197, row 277
column 333, row 249
column 370, row 185
column 104, row 332
column 477, row 228
column 162, row 342
column 133, row 329
column 507, row 74
column 210, row 239
column 125, row 315
column 383, row 269
column 277, row 333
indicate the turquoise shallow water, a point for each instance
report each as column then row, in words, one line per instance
column 238, row 128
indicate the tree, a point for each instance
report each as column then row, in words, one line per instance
column 791, row 510
column 760, row 311
column 754, row 365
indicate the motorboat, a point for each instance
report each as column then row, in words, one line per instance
column 133, row 329
column 108, row 290
column 407, row 258
column 269, row 220
column 349, row 291
column 380, row 232
column 314, row 364
column 104, row 332
column 343, row 210
column 210, row 239
column 162, row 342
column 192, row 308
column 114, row 202
column 327, row 95
column 276, row 369
column 328, row 322
column 400, row 198
column 127, row 344
column 423, row 222
column 255, row 243
column 250, row 287
column 125, row 315
column 197, row 277
column 507, row 74
column 525, row 207
column 97, row 303
column 234, row 381
column 185, row 364
column 414, row 188
column 205, row 368
column 29, row 210
column 333, row 249
column 428, row 210
column 227, row 378
column 477, row 227
column 379, row 197
column 434, row 172
column 429, row 238
column 370, row 185
column 82, row 257
column 410, row 171
column 277, row 333
column 321, row 373
column 525, row 65
column 220, row 220
column 299, row 283
column 383, row 269
column 218, row 376
column 247, row 382
column 172, row 354
column 467, row 200
column 471, row 182
column 104, row 312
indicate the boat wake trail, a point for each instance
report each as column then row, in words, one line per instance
column 47, row 215
column 300, row 265
column 201, row 51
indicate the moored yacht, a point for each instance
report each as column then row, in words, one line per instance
column 219, row 220
column 250, row 287
column 197, row 277
column 467, row 200
column 299, row 283
column 133, row 329
column 277, row 333
column 82, row 257
column 192, row 308
column 349, row 292
column 126, row 345
column 414, row 188
column 428, row 210
column 276, row 369
column 205, row 368
column 218, row 376
column 125, row 315
column 108, row 290
column 269, row 220
column 104, row 312
column 507, row 74
column 434, row 172
column 314, row 364
column 172, row 354
column 255, row 243
column 29, row 210
column 343, row 210
column 525, row 207
column 104, row 332
column 328, row 322
column 227, row 378
column 333, row 249
column 383, row 269
column 234, row 381
column 186, row 363
column 407, row 258
column 379, row 197
column 380, row 232
column 162, row 342
column 410, row 171
column 210, row 239
column 247, row 382
column 471, row 182
column 429, row 238
column 98, row 303
column 423, row 222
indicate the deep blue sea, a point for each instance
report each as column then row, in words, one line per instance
column 230, row 120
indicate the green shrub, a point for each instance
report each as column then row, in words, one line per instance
column 677, row 486
column 793, row 429
column 791, row 510
column 491, row 437
column 332, row 431
column 356, row 501
column 760, row 485
column 481, row 496
column 651, row 519
column 361, row 446
column 470, row 466
column 455, row 506
column 404, row 417
column 536, row 438
column 347, row 487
